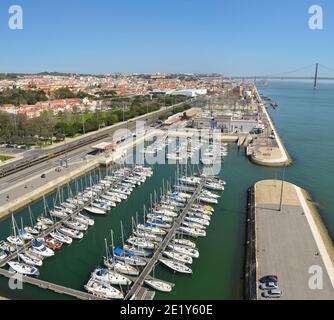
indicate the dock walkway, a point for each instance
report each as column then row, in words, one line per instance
column 53, row 287
column 136, row 288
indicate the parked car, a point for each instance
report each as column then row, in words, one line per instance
column 269, row 278
column 269, row 286
column 275, row 293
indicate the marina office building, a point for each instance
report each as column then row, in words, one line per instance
column 227, row 123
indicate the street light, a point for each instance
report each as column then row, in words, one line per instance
column 282, row 189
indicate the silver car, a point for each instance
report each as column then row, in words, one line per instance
column 274, row 293
column 269, row 286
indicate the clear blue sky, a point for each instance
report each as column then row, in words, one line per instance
column 225, row 36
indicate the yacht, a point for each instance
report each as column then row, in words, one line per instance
column 208, row 200
column 25, row 236
column 39, row 248
column 75, row 225
column 178, row 257
column 137, row 251
column 84, row 220
column 119, row 266
column 191, row 252
column 15, row 241
column 129, row 258
column 193, row 225
column 45, row 220
column 61, row 238
column 214, row 186
column 23, row 268
column 30, row 261
column 41, row 227
column 141, row 243
column 52, row 243
column 58, row 214
column 159, row 224
column 165, row 212
column 203, row 222
column 151, row 229
column 110, row 277
column 95, row 210
column 32, row 231
column 103, row 290
column 69, row 205
column 192, row 232
column 149, row 236
column 199, row 215
column 101, row 206
column 159, row 285
column 74, row 234
column 7, row 246
column 160, row 217
column 184, row 242
column 176, row 266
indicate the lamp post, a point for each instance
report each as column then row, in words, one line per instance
column 282, row 190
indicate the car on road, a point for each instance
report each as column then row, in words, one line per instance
column 269, row 278
column 275, row 293
column 269, row 286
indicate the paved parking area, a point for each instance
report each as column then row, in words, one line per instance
column 286, row 246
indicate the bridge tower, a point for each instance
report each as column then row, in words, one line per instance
column 316, row 75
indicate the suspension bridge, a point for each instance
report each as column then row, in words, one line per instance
column 318, row 72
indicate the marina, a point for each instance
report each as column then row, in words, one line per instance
column 226, row 227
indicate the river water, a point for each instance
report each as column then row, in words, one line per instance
column 304, row 120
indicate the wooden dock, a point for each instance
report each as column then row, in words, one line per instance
column 136, row 290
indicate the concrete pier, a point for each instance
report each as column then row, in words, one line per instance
column 267, row 151
column 291, row 242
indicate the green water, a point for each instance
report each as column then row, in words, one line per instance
column 303, row 119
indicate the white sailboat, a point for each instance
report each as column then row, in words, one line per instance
column 29, row 260
column 178, row 257
column 61, row 238
column 23, row 268
column 159, row 285
column 176, row 266
column 103, row 290
column 74, row 234
column 94, row 210
column 110, row 277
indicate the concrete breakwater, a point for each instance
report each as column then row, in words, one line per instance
column 267, row 151
column 287, row 238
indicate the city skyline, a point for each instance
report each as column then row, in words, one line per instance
column 173, row 37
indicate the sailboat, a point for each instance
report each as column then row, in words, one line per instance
column 103, row 290
column 30, row 228
column 110, row 277
column 61, row 237
column 129, row 258
column 23, row 268
column 14, row 239
column 84, row 219
column 176, row 266
column 184, row 242
column 74, row 234
column 159, row 285
column 30, row 261
column 178, row 257
column 118, row 266
column 95, row 210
